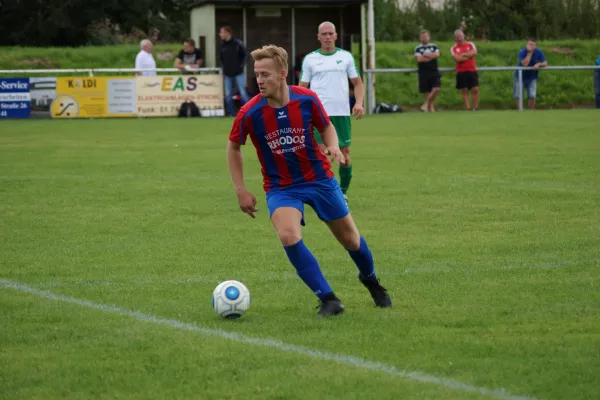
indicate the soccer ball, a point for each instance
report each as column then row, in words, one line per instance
column 231, row 299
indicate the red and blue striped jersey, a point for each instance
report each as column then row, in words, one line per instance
column 283, row 138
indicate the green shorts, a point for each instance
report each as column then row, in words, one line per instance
column 343, row 128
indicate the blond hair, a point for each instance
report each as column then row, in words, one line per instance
column 275, row 53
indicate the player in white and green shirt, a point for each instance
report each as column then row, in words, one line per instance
column 327, row 71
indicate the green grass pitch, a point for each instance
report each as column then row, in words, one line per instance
column 485, row 228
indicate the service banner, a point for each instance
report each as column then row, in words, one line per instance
column 15, row 100
column 159, row 96
column 94, row 97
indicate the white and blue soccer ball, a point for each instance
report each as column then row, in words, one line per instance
column 231, row 299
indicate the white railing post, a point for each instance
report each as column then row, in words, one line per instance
column 91, row 71
column 369, row 99
column 520, row 88
column 373, row 92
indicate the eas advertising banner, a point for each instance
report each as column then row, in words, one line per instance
column 15, row 100
column 94, row 97
column 163, row 95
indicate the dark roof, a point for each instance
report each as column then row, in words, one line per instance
column 275, row 2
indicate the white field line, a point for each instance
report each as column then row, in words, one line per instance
column 271, row 343
column 536, row 184
column 291, row 275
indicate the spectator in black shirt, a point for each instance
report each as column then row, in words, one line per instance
column 430, row 79
column 233, row 60
column 189, row 58
column 597, row 83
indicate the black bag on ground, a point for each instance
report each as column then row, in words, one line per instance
column 189, row 109
column 384, row 108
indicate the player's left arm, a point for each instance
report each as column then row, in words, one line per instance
column 472, row 53
column 542, row 63
column 359, row 94
column 243, row 54
column 434, row 54
column 359, row 88
column 179, row 61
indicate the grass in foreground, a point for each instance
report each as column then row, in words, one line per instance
column 484, row 229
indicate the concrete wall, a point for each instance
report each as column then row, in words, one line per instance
column 202, row 23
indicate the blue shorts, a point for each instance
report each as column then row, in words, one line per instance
column 530, row 86
column 325, row 197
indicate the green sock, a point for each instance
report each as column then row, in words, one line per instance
column 345, row 177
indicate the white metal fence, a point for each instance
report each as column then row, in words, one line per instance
column 371, row 99
column 92, row 71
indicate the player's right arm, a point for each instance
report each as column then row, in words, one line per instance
column 330, row 140
column 322, row 122
column 420, row 57
column 237, row 138
column 525, row 56
column 138, row 64
column 235, row 163
column 457, row 57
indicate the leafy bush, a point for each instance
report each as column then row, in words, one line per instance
column 490, row 19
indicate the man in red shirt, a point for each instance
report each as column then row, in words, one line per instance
column 467, row 77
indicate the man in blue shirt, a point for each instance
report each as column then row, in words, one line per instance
column 597, row 83
column 530, row 56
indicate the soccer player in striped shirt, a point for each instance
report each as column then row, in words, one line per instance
column 279, row 122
